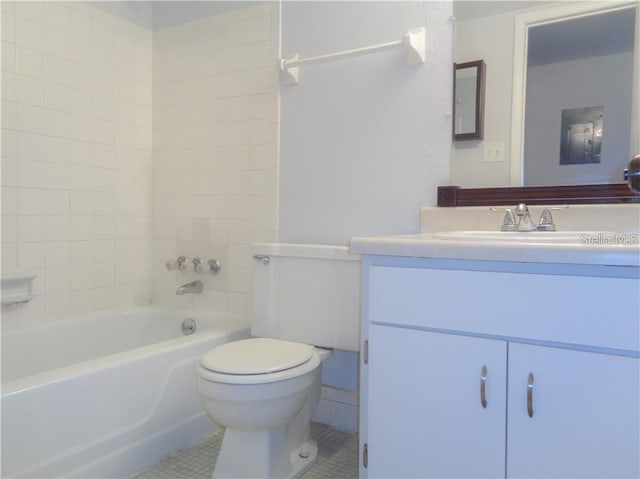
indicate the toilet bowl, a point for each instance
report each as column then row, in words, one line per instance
column 263, row 392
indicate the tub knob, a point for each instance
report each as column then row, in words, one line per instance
column 171, row 265
column 183, row 263
column 198, row 266
column 214, row 265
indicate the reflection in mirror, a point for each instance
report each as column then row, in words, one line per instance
column 578, row 91
column 499, row 32
column 468, row 100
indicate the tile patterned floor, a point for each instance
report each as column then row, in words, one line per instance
column 337, row 458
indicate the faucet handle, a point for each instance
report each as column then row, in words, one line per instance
column 545, row 223
column 183, row 263
column 198, row 266
column 509, row 220
column 214, row 266
column 171, row 265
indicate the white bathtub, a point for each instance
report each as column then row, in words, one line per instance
column 104, row 395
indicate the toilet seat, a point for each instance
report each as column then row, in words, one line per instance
column 258, row 360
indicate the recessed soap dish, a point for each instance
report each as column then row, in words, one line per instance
column 16, row 287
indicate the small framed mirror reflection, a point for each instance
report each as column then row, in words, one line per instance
column 468, row 100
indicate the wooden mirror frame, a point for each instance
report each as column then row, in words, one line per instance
column 536, row 195
column 478, row 133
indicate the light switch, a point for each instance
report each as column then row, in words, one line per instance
column 493, row 151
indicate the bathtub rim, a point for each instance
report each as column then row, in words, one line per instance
column 231, row 323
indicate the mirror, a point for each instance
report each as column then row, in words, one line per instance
column 500, row 32
column 468, row 100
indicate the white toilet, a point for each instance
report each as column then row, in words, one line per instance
column 264, row 390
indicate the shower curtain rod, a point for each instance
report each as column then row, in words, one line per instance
column 412, row 40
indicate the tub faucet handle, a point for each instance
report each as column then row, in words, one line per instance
column 198, row 266
column 171, row 265
column 214, row 266
column 183, row 263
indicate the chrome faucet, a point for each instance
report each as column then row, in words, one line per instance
column 519, row 219
column 195, row 287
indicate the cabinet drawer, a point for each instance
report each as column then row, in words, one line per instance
column 591, row 311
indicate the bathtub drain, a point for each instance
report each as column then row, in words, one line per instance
column 188, row 326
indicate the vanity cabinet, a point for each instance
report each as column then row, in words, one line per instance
column 494, row 370
column 425, row 415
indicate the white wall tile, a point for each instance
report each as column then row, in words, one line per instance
column 9, row 153
column 56, row 69
column 82, row 253
column 56, row 96
column 81, row 228
column 56, row 43
column 58, row 228
column 9, row 229
column 59, row 155
column 57, row 150
column 58, row 280
column 8, row 86
column 29, row 147
column 57, row 176
column 29, row 229
column 30, row 256
column 29, row 118
column 9, row 199
column 29, row 90
column 8, row 62
column 58, row 305
column 56, row 123
column 8, row 27
column 56, row 16
column 28, row 33
column 80, row 178
column 30, row 201
column 202, row 133
column 32, row 11
column 79, row 25
column 57, row 202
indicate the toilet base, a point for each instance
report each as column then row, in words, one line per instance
column 262, row 454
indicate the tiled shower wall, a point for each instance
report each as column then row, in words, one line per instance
column 77, row 138
column 76, row 158
column 215, row 152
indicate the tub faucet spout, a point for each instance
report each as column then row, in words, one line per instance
column 195, row 287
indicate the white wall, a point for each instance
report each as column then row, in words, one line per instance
column 215, row 157
column 76, row 158
column 364, row 141
column 490, row 39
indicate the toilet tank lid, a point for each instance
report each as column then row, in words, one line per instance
column 320, row 251
column 256, row 356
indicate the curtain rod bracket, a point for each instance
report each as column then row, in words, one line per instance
column 289, row 75
column 415, row 42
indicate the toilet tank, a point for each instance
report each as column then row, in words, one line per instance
column 306, row 293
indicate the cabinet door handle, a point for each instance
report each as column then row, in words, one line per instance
column 483, row 387
column 530, row 395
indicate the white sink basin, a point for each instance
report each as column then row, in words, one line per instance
column 544, row 237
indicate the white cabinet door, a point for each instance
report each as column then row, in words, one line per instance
column 425, row 412
column 585, row 421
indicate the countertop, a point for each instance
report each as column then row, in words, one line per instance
column 625, row 251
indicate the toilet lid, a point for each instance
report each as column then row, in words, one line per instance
column 256, row 356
